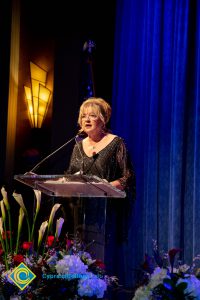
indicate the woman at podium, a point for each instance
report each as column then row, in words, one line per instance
column 105, row 155
column 100, row 153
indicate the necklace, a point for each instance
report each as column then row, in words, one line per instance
column 94, row 146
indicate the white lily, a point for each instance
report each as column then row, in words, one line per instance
column 38, row 199
column 5, row 198
column 53, row 211
column 38, row 202
column 3, row 212
column 19, row 199
column 7, row 205
column 20, row 222
column 59, row 224
column 41, row 232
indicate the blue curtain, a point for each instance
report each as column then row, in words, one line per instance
column 156, row 109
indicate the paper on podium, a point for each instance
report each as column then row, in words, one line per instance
column 71, row 185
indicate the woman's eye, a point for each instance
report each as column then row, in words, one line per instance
column 92, row 116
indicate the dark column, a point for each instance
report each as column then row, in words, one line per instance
column 5, row 25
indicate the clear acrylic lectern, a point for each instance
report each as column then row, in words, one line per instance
column 70, row 185
column 90, row 215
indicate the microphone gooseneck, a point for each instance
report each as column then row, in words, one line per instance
column 54, row 152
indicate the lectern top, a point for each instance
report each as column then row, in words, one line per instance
column 70, row 185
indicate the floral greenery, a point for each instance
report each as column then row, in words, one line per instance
column 63, row 269
column 165, row 277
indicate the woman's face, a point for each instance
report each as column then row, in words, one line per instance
column 90, row 121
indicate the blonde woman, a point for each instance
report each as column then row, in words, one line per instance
column 100, row 153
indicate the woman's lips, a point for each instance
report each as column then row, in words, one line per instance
column 88, row 125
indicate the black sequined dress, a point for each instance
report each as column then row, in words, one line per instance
column 111, row 163
column 106, row 220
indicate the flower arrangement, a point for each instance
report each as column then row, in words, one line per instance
column 62, row 269
column 165, row 277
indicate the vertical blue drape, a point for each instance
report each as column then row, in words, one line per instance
column 156, row 110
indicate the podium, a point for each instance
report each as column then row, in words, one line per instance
column 70, row 185
column 91, row 197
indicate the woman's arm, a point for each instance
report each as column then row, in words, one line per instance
column 126, row 180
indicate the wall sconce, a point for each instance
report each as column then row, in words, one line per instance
column 38, row 96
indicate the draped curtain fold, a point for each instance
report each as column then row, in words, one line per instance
column 156, row 109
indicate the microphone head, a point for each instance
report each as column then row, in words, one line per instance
column 95, row 155
column 81, row 134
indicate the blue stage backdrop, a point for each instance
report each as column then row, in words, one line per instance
column 156, row 109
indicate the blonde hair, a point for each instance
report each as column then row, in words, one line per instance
column 101, row 108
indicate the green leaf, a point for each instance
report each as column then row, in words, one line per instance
column 181, row 286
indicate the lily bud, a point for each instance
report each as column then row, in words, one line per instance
column 3, row 212
column 5, row 198
column 42, row 231
column 19, row 199
column 59, row 224
column 38, row 198
column 53, row 211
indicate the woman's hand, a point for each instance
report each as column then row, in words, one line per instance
column 117, row 184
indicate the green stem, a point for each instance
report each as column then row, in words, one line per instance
column 17, row 242
column 47, row 234
column 33, row 227
column 45, row 243
column 18, row 237
column 10, row 229
column 29, row 231
column 5, row 255
column 6, row 238
column 39, row 246
column 6, row 262
column 2, row 242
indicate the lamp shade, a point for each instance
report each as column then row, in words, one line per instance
column 43, row 102
column 38, row 96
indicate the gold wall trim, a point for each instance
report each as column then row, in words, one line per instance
column 13, row 91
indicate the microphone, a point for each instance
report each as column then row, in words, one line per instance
column 95, row 155
column 54, row 152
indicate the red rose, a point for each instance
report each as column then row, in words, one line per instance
column 50, row 240
column 18, row 258
column 27, row 245
column 99, row 264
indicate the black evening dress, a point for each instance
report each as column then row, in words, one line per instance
column 111, row 163
column 107, row 220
